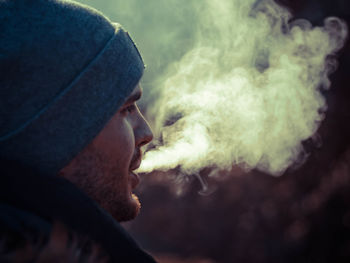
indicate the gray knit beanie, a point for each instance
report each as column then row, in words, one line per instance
column 65, row 69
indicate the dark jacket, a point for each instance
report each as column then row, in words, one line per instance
column 32, row 202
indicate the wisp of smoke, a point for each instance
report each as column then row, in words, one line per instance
column 248, row 93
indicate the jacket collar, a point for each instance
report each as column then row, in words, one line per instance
column 56, row 199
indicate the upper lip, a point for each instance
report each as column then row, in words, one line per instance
column 136, row 161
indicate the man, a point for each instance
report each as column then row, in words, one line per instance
column 70, row 130
column 104, row 168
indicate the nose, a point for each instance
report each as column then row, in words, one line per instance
column 142, row 131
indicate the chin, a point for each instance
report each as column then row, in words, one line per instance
column 124, row 210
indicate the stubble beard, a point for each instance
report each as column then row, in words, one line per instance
column 100, row 183
column 120, row 209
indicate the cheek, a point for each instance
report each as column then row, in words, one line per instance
column 117, row 143
column 126, row 141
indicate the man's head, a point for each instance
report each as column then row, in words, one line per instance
column 66, row 74
column 104, row 168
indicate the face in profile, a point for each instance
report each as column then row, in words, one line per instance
column 104, row 169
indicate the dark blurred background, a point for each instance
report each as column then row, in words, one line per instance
column 302, row 216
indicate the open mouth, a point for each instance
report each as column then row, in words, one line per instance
column 135, row 164
column 136, row 160
column 135, row 179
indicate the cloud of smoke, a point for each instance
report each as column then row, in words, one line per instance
column 247, row 93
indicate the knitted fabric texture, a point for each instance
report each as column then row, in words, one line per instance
column 65, row 69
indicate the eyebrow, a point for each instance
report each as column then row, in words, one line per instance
column 134, row 97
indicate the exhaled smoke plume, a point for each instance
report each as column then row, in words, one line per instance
column 248, row 93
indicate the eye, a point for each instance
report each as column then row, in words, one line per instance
column 128, row 109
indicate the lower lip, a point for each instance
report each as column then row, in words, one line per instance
column 135, row 179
